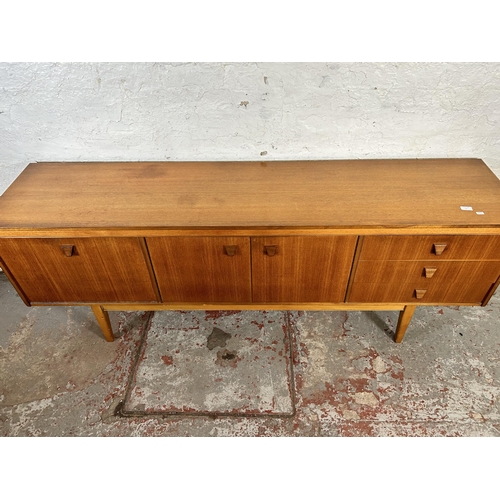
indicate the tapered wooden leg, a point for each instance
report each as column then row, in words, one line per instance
column 404, row 320
column 102, row 317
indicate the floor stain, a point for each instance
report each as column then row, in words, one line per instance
column 227, row 358
column 218, row 338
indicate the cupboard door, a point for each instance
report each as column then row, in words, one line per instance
column 202, row 269
column 301, row 268
column 78, row 270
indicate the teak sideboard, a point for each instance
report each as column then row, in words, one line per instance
column 340, row 234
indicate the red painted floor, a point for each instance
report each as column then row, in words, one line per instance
column 249, row 373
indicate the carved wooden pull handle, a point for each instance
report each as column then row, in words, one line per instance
column 230, row 250
column 68, row 250
column 271, row 250
column 419, row 293
column 439, row 248
column 429, row 271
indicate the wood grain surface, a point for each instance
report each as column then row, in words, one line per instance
column 403, row 271
column 290, row 194
column 196, row 269
column 100, row 269
column 302, row 269
column 458, row 247
column 437, row 292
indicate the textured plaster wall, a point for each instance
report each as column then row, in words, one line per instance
column 226, row 111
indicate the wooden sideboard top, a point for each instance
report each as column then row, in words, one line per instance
column 262, row 194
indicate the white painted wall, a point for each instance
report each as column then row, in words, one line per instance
column 226, row 111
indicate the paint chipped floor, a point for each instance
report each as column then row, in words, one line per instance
column 253, row 373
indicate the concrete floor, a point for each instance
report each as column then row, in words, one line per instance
column 230, row 373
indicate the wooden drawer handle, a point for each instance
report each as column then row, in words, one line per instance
column 271, row 250
column 429, row 271
column 68, row 250
column 438, row 248
column 419, row 293
column 230, row 250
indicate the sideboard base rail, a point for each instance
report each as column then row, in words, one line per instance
column 405, row 315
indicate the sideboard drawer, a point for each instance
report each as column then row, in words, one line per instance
column 423, row 281
column 439, row 247
column 437, row 292
column 81, row 270
column 423, row 272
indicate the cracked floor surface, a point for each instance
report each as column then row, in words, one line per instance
column 58, row 377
